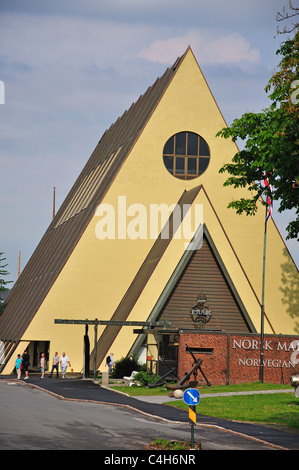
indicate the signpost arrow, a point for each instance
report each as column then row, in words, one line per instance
column 191, row 398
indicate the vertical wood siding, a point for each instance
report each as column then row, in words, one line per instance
column 203, row 275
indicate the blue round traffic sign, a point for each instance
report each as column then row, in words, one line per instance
column 191, row 396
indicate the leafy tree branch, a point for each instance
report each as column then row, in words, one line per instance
column 271, row 143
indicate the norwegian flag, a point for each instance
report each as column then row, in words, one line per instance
column 269, row 201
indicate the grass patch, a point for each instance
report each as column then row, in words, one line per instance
column 163, row 444
column 162, row 390
column 279, row 409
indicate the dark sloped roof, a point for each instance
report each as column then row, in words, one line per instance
column 76, row 211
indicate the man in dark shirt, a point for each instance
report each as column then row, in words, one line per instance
column 25, row 364
column 55, row 365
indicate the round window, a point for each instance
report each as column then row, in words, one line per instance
column 186, row 155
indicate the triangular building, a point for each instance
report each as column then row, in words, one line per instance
column 144, row 233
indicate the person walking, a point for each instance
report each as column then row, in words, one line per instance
column 26, row 364
column 18, row 366
column 110, row 362
column 64, row 362
column 55, row 365
column 42, row 365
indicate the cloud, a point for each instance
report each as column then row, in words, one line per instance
column 165, row 51
column 71, row 44
column 232, row 49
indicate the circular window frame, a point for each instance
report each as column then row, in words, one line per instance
column 186, row 155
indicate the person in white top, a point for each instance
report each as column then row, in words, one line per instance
column 42, row 365
column 110, row 361
column 64, row 362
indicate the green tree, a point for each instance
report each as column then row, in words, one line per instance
column 3, row 283
column 271, row 143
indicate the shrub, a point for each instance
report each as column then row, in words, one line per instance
column 144, row 377
column 125, row 366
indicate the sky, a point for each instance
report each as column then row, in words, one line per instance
column 71, row 68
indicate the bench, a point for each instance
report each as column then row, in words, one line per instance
column 130, row 380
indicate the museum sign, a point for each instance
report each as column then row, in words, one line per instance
column 233, row 358
column 269, row 345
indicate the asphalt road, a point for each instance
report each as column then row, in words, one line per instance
column 80, row 415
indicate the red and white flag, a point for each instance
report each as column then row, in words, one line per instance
column 269, row 200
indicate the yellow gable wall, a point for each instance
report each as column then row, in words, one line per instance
column 189, row 105
column 99, row 272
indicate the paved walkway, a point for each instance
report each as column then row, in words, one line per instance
column 163, row 399
column 87, row 390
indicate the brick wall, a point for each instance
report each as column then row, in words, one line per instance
column 234, row 358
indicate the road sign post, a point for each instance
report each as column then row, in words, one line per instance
column 191, row 398
column 192, row 417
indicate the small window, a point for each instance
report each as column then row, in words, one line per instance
column 180, row 143
column 192, row 166
column 186, row 155
column 168, row 162
column 204, row 149
column 203, row 164
column 193, row 141
column 200, row 350
column 169, row 146
column 180, row 165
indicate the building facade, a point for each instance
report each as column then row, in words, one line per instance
column 145, row 233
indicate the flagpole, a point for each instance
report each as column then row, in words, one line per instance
column 261, row 376
column 54, row 202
